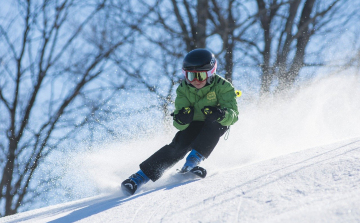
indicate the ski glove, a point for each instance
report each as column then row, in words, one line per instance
column 213, row 113
column 185, row 116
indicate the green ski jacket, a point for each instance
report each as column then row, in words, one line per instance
column 220, row 93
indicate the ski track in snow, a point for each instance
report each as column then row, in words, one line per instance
column 316, row 185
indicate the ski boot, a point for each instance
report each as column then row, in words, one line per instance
column 192, row 160
column 130, row 185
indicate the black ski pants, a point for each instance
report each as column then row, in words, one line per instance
column 199, row 135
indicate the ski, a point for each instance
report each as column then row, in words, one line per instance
column 198, row 171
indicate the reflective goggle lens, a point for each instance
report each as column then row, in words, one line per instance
column 200, row 76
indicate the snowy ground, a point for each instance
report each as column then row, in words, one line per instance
column 285, row 161
column 316, row 185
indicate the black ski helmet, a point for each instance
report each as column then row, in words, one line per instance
column 200, row 60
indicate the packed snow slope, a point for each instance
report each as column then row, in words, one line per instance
column 316, row 185
column 285, row 160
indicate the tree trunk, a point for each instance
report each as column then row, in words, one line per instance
column 200, row 31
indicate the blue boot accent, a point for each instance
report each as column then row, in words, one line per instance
column 192, row 160
column 130, row 185
column 139, row 178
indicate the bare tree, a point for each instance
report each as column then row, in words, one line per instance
column 53, row 81
column 271, row 35
column 173, row 28
column 287, row 28
column 192, row 22
column 230, row 20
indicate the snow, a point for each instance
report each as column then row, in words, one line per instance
column 292, row 161
column 316, row 185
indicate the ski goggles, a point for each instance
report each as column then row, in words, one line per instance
column 198, row 75
column 201, row 76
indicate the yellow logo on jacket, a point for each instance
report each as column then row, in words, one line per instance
column 211, row 96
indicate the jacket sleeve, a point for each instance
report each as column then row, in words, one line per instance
column 180, row 101
column 227, row 100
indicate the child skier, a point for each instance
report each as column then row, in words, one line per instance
column 205, row 107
